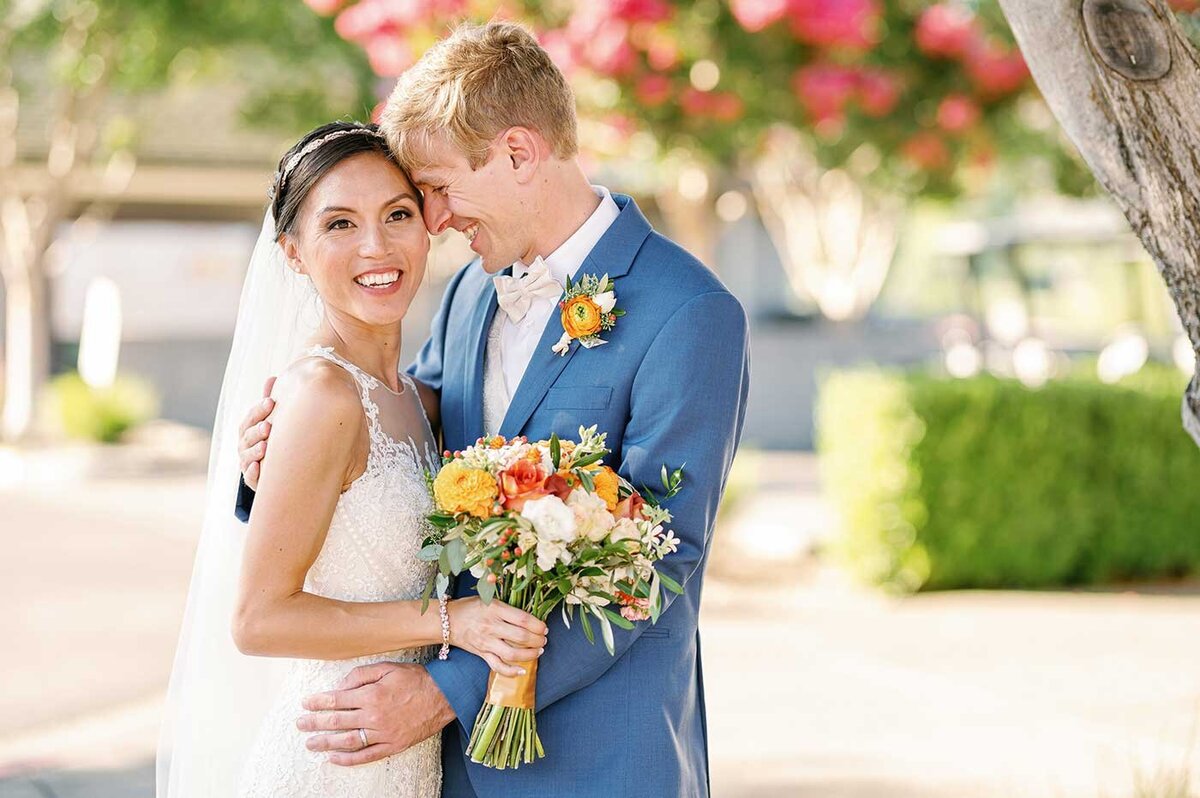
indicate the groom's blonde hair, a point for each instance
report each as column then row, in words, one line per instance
column 473, row 85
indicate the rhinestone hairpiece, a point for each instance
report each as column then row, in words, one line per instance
column 311, row 147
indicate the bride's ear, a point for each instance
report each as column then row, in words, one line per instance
column 291, row 253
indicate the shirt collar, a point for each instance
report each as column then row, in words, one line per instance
column 565, row 261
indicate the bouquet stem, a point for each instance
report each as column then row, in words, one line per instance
column 505, row 732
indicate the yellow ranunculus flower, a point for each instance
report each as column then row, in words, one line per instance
column 581, row 317
column 462, row 489
column 606, row 486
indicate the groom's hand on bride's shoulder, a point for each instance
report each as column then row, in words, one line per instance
column 397, row 705
column 252, row 436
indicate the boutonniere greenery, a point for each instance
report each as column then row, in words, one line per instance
column 589, row 308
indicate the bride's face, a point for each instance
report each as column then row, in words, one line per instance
column 360, row 238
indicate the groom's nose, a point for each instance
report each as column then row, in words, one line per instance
column 436, row 213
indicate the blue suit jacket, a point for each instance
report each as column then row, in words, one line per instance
column 669, row 388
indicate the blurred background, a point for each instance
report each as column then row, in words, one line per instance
column 957, row 556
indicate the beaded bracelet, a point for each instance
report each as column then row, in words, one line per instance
column 444, row 653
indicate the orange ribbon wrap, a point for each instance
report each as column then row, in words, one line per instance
column 514, row 691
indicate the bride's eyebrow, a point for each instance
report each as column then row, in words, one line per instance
column 404, row 195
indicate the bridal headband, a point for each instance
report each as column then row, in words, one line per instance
column 311, row 147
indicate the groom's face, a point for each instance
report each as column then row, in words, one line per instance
column 486, row 204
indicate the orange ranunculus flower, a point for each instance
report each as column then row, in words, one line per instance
column 606, row 486
column 462, row 489
column 522, row 482
column 581, row 317
column 630, row 507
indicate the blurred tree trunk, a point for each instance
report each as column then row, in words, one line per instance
column 687, row 206
column 835, row 239
column 30, row 217
column 1125, row 83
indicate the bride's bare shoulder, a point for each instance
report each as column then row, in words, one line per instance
column 318, row 391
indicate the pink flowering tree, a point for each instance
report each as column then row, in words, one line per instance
column 834, row 111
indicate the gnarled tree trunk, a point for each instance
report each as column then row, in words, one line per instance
column 1124, row 83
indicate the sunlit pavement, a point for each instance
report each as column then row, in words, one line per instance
column 815, row 688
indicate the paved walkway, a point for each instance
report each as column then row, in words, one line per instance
column 816, row 689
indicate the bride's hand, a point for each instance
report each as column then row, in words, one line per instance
column 497, row 632
column 252, row 436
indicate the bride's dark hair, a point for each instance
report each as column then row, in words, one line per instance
column 310, row 159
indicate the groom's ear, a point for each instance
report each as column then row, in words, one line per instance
column 523, row 148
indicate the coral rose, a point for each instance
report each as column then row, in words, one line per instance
column 523, row 481
column 581, row 317
column 630, row 507
column 560, row 485
column 461, row 489
column 606, row 486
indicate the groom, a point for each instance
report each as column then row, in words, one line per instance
column 486, row 125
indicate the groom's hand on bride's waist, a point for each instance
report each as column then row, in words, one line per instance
column 252, row 436
column 397, row 705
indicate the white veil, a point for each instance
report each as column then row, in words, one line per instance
column 219, row 696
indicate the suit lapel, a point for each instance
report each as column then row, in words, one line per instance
column 481, row 323
column 612, row 255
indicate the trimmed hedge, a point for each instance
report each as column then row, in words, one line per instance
column 944, row 483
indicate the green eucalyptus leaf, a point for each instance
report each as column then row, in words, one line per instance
column 591, row 458
column 587, row 628
column 619, row 619
column 606, row 630
column 456, row 554
column 669, row 583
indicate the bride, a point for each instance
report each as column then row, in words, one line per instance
column 326, row 574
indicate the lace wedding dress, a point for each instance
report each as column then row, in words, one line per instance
column 370, row 554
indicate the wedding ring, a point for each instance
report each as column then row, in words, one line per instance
column 362, row 735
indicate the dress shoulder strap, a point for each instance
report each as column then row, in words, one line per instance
column 366, row 383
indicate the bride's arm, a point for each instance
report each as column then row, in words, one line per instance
column 317, row 444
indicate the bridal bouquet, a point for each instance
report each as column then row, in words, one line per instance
column 543, row 524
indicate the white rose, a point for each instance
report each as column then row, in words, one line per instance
column 582, row 591
column 551, row 551
column 526, row 540
column 625, row 529
column 605, row 301
column 553, row 521
column 592, row 517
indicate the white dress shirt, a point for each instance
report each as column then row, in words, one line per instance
column 513, row 343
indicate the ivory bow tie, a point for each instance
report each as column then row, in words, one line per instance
column 515, row 295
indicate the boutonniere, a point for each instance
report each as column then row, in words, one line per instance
column 589, row 307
